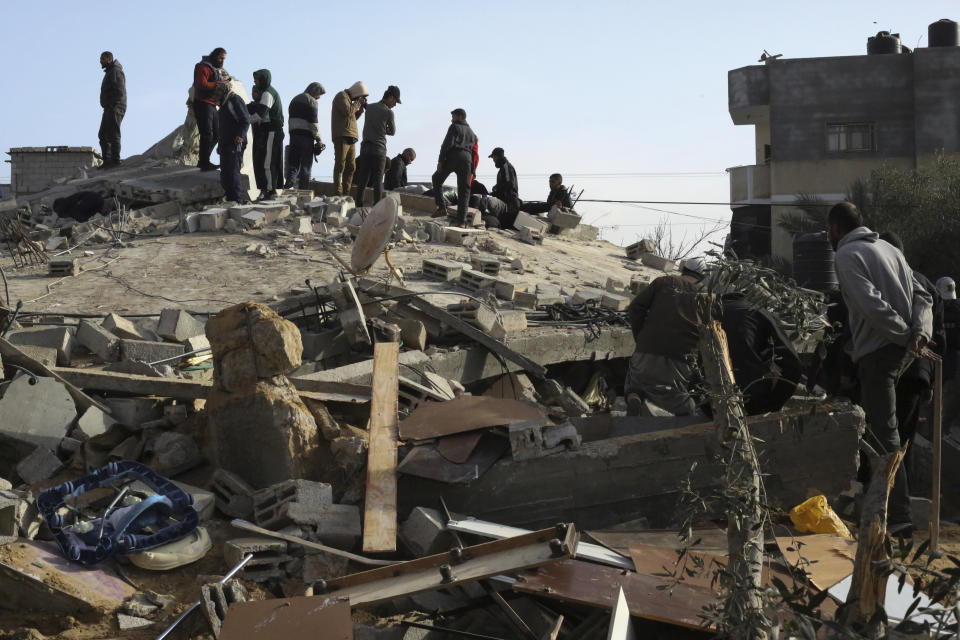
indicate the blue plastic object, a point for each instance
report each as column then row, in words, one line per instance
column 161, row 518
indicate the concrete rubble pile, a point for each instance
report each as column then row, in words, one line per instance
column 363, row 487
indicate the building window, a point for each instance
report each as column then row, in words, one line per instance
column 850, row 137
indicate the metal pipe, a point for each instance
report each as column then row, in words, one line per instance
column 182, row 355
column 247, row 558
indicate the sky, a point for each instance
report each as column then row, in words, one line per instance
column 628, row 100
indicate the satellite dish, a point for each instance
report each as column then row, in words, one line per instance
column 374, row 235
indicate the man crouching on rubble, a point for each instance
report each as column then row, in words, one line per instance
column 891, row 321
column 666, row 318
column 234, row 122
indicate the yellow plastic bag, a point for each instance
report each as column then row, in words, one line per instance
column 816, row 516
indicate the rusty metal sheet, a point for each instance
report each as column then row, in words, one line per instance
column 457, row 448
column 426, row 461
column 598, row 586
column 304, row 618
column 830, row 557
column 466, row 413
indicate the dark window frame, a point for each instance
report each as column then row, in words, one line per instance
column 846, row 131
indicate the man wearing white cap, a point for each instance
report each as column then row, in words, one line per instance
column 666, row 318
column 348, row 105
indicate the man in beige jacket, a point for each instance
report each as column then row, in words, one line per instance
column 348, row 105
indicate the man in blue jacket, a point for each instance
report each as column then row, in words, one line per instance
column 891, row 321
column 233, row 122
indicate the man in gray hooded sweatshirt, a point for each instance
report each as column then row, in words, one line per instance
column 891, row 321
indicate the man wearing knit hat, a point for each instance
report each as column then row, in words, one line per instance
column 347, row 106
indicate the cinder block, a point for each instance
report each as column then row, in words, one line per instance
column 211, row 219
column 99, row 341
column 587, row 294
column 215, row 600
column 39, row 465
column 149, row 351
column 178, row 325
column 45, row 355
column 636, row 250
column 121, row 327
column 303, row 226
column 271, row 505
column 445, row 270
column 476, row 281
column 563, row 218
column 425, row 533
column 196, row 343
column 253, row 219
column 508, row 322
column 614, row 302
column 488, row 266
column 476, row 314
column 233, row 496
column 658, row 262
column 274, row 212
column 269, row 557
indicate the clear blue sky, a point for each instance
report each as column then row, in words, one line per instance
column 589, row 89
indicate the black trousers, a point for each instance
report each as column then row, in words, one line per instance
column 301, row 158
column 536, row 207
column 209, row 127
column 110, row 124
column 268, row 159
column 460, row 163
column 370, row 169
column 231, row 157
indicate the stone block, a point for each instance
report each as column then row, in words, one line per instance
column 211, row 219
column 196, row 343
column 59, row 338
column 537, row 225
column 658, row 262
column 473, row 218
column 173, row 453
column 121, row 327
column 39, row 412
column 177, row 325
column 445, row 270
column 636, row 250
column 477, row 314
column 412, row 332
column 271, row 506
column 190, row 222
column 55, row 243
column 525, row 299
column 45, row 355
column 303, row 226
column 614, row 302
column 253, row 219
column 504, row 289
column 508, row 322
column 99, row 341
column 587, row 294
column 149, row 351
column 425, row 533
column 563, row 218
column 476, row 281
column 615, row 285
column 274, row 212
column 233, row 496
column 236, row 212
column 338, row 525
column 132, row 412
column 92, row 423
column 39, row 465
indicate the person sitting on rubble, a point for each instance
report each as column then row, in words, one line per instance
column 396, row 175
column 81, row 206
column 378, row 123
column 666, row 318
column 891, row 322
column 500, row 208
column 304, row 133
column 458, row 154
column 558, row 196
column 234, row 120
column 765, row 363
column 266, row 113
column 206, row 74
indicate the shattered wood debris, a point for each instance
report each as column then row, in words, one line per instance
column 315, row 418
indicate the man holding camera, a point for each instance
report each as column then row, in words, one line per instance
column 348, row 105
column 304, row 133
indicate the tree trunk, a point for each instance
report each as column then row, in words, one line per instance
column 869, row 582
column 743, row 608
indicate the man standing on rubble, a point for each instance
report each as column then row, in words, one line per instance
column 500, row 208
column 558, row 196
column 458, row 154
column 304, row 133
column 891, row 321
column 377, row 125
column 396, row 175
column 266, row 114
column 666, row 318
column 206, row 74
column 113, row 99
column 234, row 120
column 348, row 105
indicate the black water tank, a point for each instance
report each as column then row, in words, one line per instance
column 813, row 259
column 944, row 33
column 883, row 42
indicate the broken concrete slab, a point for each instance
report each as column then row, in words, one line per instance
column 37, row 410
column 59, row 338
column 211, row 219
column 39, row 465
column 99, row 341
column 177, row 325
column 121, row 327
column 424, row 533
column 149, row 351
column 132, row 412
column 46, row 355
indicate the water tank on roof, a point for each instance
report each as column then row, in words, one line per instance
column 884, row 42
column 813, row 259
column 944, row 33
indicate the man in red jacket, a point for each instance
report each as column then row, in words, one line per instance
column 206, row 74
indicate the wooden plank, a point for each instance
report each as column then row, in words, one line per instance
column 380, row 505
column 249, row 526
column 448, row 569
column 620, row 625
column 99, row 380
column 830, row 557
column 466, row 413
column 460, row 326
column 13, row 355
column 648, row 597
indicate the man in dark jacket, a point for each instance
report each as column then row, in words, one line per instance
column 206, row 74
column 666, row 318
column 304, row 133
column 266, row 114
column 113, row 99
column 500, row 208
column 234, row 120
column 891, row 321
column 396, row 175
column 378, row 123
column 558, row 196
column 765, row 364
column 456, row 156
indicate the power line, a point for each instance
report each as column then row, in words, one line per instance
column 720, row 204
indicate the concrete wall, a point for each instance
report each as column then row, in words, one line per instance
column 936, row 86
column 33, row 169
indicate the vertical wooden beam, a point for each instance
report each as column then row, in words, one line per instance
column 380, row 506
column 937, row 450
